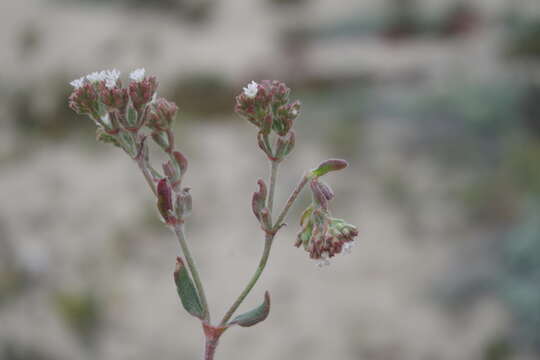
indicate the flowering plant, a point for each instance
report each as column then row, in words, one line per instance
column 128, row 116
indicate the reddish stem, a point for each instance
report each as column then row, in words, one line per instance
column 212, row 334
column 210, row 348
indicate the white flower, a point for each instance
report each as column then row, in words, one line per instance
column 347, row 247
column 77, row 83
column 251, row 90
column 111, row 77
column 96, row 76
column 137, row 74
column 294, row 112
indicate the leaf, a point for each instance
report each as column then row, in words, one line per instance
column 186, row 290
column 329, row 165
column 254, row 316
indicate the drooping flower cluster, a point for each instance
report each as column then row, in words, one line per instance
column 322, row 235
column 266, row 105
column 125, row 116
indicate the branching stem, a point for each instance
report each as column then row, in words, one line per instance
column 268, row 239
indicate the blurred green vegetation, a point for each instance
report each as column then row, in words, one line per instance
column 81, row 312
column 523, row 36
column 489, row 132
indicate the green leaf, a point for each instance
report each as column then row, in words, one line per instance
column 186, row 290
column 254, row 316
column 329, row 165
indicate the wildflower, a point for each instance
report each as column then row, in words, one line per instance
column 111, row 77
column 251, row 89
column 137, row 74
column 77, row 83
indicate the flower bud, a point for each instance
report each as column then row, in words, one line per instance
column 319, row 197
column 326, row 190
column 84, row 100
column 162, row 115
column 115, row 98
column 172, row 174
column 142, row 92
column 284, row 145
column 285, row 116
column 329, row 165
column 181, row 161
column 258, row 201
column 164, row 204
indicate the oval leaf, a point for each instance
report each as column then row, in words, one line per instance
column 329, row 165
column 254, row 316
column 186, row 290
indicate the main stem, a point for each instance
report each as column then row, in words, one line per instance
column 179, row 231
column 210, row 348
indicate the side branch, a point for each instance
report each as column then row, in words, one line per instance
column 291, row 201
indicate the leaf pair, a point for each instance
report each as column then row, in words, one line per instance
column 192, row 303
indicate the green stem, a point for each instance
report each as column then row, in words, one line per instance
column 179, row 231
column 290, row 201
column 251, row 283
column 273, row 177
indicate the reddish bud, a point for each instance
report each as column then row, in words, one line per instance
column 164, row 204
column 318, row 195
column 114, row 98
column 181, row 161
column 84, row 100
column 141, row 92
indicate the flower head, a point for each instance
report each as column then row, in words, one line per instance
column 111, row 77
column 137, row 74
column 251, row 89
column 322, row 235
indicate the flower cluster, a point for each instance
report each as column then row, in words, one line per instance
column 322, row 235
column 266, row 105
column 125, row 117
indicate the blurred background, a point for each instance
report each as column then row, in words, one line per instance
column 435, row 103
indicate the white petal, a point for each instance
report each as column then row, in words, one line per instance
column 137, row 74
column 77, row 83
column 251, row 89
